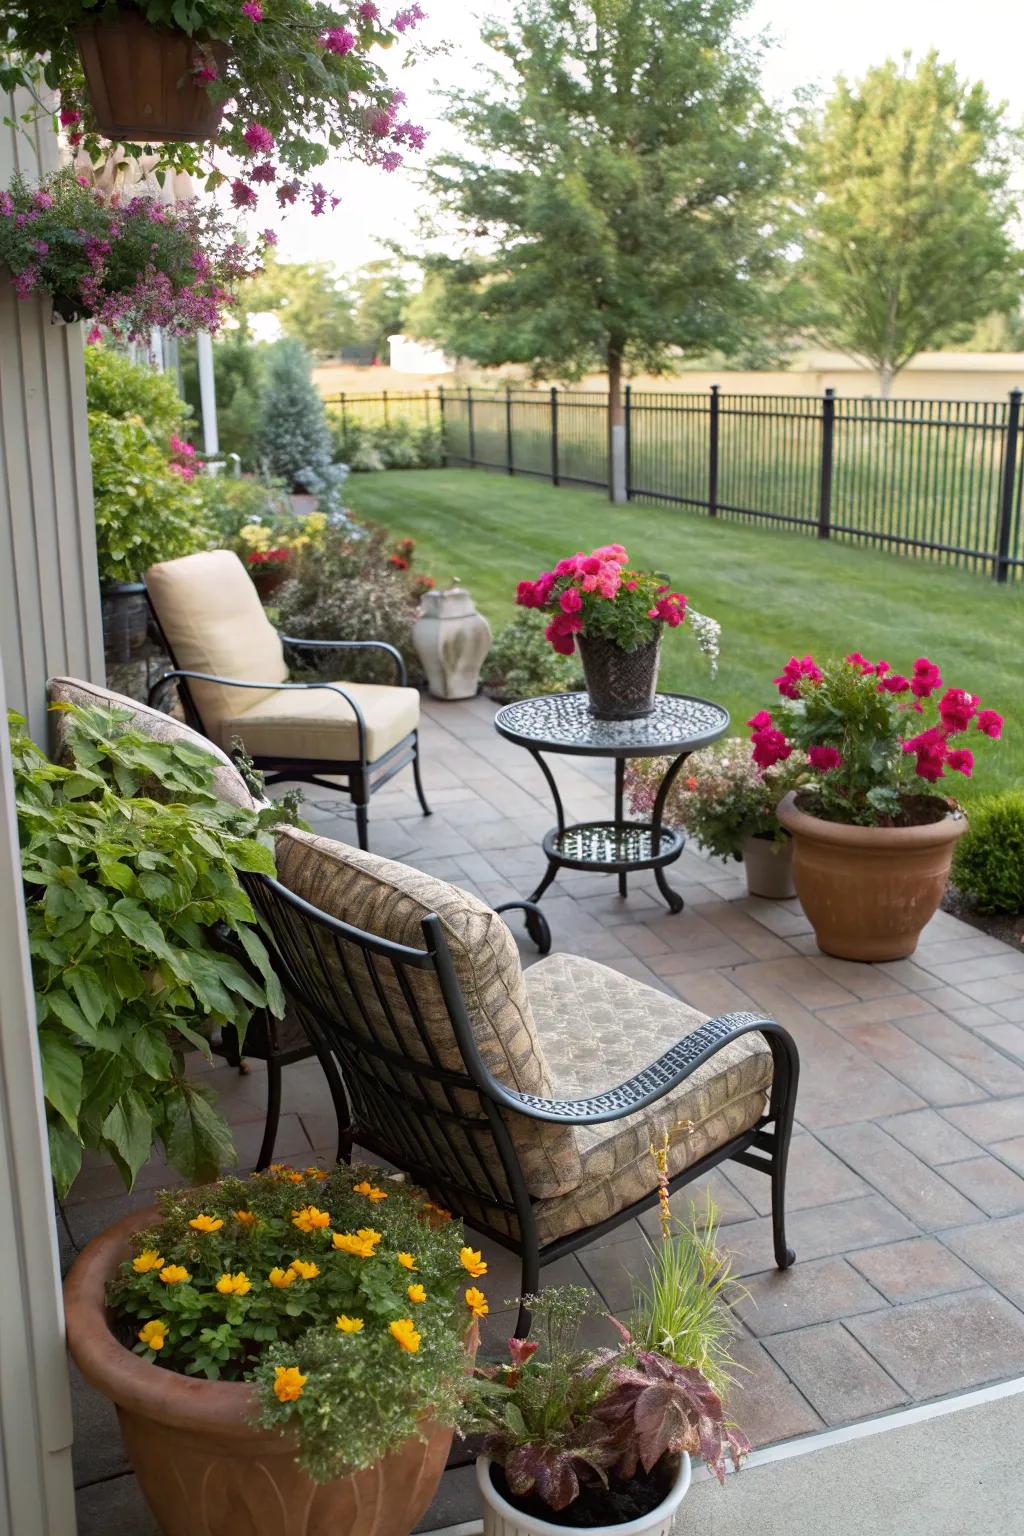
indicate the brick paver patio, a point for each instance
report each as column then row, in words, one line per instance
column 906, row 1189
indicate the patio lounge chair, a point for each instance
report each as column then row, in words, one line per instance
column 529, row 1104
column 231, row 669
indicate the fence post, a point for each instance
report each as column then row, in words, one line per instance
column 508, row 429
column 629, row 441
column 554, row 435
column 828, row 426
column 713, row 454
column 443, row 425
column 386, row 416
column 1002, row 568
column 344, row 413
column 426, row 405
column 469, row 425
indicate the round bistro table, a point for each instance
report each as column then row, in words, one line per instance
column 563, row 723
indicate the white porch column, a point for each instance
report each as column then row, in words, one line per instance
column 207, row 394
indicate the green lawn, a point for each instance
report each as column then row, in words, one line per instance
column 775, row 593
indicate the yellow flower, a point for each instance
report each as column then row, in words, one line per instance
column 369, row 1191
column 416, row 1293
column 356, row 1244
column 154, row 1334
column 281, row 1279
column 174, row 1274
column 203, row 1223
column 294, row 1177
column 368, row 1235
column 476, row 1301
column 407, row 1261
column 255, row 535
column 349, row 1324
column 316, row 1173
column 304, row 1269
column 403, row 1331
column 472, row 1262
column 148, row 1259
column 288, row 1383
column 246, row 1218
column 234, row 1285
column 309, row 1219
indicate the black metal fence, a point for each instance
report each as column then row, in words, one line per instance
column 384, row 408
column 937, row 478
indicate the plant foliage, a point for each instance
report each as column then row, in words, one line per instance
column 988, row 865
column 295, row 440
column 142, row 940
column 521, row 664
column 294, row 1281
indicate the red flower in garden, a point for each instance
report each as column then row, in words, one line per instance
column 990, row 723
column 793, row 673
column 770, row 747
column 926, row 678
column 961, row 761
column 760, row 721
column 957, row 709
column 398, row 562
column 894, row 683
column 571, row 600
column 824, row 758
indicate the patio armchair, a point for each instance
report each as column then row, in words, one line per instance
column 529, row 1104
column 230, row 666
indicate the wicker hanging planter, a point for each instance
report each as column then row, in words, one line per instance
column 141, row 80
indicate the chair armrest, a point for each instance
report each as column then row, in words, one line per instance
column 658, row 1079
column 353, row 645
column 237, row 682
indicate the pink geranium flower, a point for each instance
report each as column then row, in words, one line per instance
column 793, row 674
column 990, row 723
column 825, row 759
column 957, row 709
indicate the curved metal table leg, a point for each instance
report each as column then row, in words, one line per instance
column 673, row 899
column 536, row 923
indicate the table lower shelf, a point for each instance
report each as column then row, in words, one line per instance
column 613, row 846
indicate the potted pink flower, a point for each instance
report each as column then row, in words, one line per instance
column 873, row 833
column 616, row 616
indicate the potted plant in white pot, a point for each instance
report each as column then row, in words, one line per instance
column 597, row 1439
column 873, row 834
column 727, row 804
column 615, row 616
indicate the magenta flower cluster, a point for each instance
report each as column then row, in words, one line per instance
column 580, row 588
column 129, row 264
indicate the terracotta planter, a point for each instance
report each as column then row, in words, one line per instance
column 769, row 868
column 141, row 80
column 204, row 1470
column 869, row 891
column 621, row 684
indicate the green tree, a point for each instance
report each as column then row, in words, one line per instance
column 309, row 300
column 239, row 369
column 617, row 205
column 295, row 440
column 908, row 206
column 380, row 294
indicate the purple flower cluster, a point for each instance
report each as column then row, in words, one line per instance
column 128, row 264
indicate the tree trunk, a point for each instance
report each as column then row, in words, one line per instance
column 886, row 373
column 617, row 488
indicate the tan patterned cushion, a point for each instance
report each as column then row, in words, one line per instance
column 316, row 723
column 597, row 1029
column 391, row 900
column 227, row 781
column 214, row 622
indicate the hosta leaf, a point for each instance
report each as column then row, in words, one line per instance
column 62, row 1075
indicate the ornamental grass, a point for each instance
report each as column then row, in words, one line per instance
column 344, row 1297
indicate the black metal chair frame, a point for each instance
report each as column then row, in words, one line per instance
column 362, row 778
column 419, row 1136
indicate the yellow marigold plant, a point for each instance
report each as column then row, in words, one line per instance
column 245, row 1281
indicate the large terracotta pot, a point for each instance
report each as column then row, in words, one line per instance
column 141, row 80
column 869, row 891
column 205, row 1471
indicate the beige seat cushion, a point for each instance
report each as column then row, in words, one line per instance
column 227, row 781
column 597, row 1029
column 391, row 900
column 214, row 622
column 316, row 723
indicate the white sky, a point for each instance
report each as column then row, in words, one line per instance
column 816, row 40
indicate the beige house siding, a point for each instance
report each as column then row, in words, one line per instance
column 50, row 617
column 49, row 622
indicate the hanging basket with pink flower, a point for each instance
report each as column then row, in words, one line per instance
column 255, row 92
column 873, row 831
column 616, row 616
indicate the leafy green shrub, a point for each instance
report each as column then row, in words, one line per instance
column 988, row 866
column 146, row 509
column 401, row 444
column 521, row 663
column 239, row 376
column 344, row 1296
column 351, row 591
column 118, row 387
column 129, row 864
column 295, row 440
column 232, row 504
